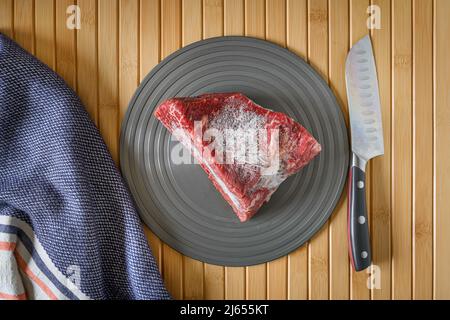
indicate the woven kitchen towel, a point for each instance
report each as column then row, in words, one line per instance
column 68, row 225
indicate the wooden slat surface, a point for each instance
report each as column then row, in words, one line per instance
column 23, row 20
column 339, row 45
column 149, row 35
column 318, row 251
column 120, row 41
column 423, row 150
column 358, row 29
column 441, row 123
column 66, row 53
column 7, row 17
column 45, row 32
column 108, row 74
column 212, row 18
column 128, row 52
column 87, row 57
column 402, row 149
column 381, row 166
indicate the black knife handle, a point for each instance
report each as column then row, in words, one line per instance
column 358, row 230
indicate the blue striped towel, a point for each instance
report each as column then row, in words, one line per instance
column 68, row 225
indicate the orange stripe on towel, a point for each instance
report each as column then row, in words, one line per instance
column 7, row 246
column 7, row 296
column 24, row 267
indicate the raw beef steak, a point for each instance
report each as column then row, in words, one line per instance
column 246, row 150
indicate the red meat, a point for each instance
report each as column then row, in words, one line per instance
column 246, row 150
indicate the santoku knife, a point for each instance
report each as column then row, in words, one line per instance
column 367, row 143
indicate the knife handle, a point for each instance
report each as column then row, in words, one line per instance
column 358, row 230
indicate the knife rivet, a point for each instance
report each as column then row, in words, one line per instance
column 360, row 184
column 364, row 254
column 361, row 219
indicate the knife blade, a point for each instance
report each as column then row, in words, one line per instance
column 367, row 142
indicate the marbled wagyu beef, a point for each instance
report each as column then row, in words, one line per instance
column 246, row 150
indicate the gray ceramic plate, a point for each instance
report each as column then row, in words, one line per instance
column 180, row 204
